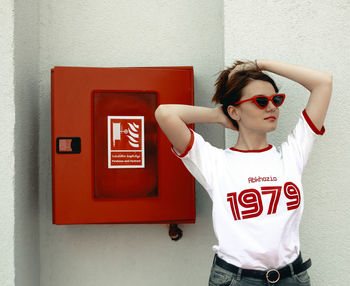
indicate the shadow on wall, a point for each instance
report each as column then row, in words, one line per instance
column 26, row 144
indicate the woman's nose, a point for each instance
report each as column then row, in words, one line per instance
column 270, row 106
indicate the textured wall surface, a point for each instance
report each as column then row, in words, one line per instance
column 7, row 119
column 112, row 33
column 315, row 34
column 208, row 35
column 27, row 266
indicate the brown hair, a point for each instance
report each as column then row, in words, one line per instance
column 229, row 89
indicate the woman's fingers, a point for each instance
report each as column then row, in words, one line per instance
column 223, row 119
column 246, row 66
column 243, row 66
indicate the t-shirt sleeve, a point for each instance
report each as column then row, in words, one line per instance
column 201, row 160
column 300, row 141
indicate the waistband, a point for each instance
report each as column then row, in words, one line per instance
column 271, row 275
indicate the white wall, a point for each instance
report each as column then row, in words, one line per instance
column 315, row 34
column 160, row 33
column 7, row 156
column 19, row 109
column 127, row 33
column 26, row 145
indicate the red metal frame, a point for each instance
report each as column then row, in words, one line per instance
column 72, row 174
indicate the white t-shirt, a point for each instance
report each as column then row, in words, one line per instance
column 257, row 196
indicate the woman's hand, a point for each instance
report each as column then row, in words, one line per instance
column 223, row 119
column 244, row 66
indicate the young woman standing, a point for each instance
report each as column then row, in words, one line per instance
column 255, row 187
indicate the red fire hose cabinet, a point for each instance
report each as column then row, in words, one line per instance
column 111, row 163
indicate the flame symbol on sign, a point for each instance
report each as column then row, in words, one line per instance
column 134, row 136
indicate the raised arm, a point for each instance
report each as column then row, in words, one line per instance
column 172, row 119
column 319, row 84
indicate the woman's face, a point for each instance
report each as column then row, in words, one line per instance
column 251, row 117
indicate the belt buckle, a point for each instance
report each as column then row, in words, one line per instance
column 273, row 271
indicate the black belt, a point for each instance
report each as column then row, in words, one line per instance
column 271, row 275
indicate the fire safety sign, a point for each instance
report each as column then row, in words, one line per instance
column 126, row 142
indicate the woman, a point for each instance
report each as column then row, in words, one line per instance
column 255, row 187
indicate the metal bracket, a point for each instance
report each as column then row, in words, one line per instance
column 174, row 232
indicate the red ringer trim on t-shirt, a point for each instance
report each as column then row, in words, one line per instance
column 189, row 146
column 252, row 151
column 312, row 125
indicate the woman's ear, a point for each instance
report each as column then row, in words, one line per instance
column 234, row 112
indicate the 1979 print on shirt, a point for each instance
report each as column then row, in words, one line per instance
column 251, row 200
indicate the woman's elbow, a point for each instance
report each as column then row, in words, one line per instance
column 161, row 112
column 330, row 78
column 325, row 82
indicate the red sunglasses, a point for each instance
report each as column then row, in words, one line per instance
column 262, row 101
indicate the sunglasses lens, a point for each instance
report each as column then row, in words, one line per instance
column 262, row 101
column 278, row 100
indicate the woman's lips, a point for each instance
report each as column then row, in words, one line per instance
column 270, row 118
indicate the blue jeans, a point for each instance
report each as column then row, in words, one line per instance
column 222, row 277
